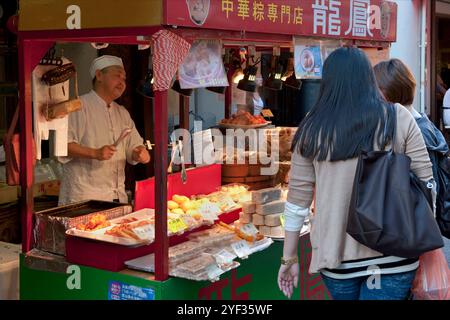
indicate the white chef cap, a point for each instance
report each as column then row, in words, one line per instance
column 103, row 62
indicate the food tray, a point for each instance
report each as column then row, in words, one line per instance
column 243, row 126
column 100, row 235
column 51, row 224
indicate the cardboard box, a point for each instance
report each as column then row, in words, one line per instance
column 47, row 188
column 51, row 224
column 8, row 193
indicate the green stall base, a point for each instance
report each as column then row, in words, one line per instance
column 255, row 278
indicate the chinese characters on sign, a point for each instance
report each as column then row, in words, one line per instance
column 122, row 291
column 320, row 17
column 373, row 20
column 359, row 15
column 263, row 11
column 358, row 18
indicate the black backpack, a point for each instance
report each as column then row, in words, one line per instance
column 443, row 194
column 439, row 157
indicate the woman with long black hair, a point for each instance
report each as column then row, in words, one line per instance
column 349, row 116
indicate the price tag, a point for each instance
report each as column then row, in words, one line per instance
column 146, row 232
column 224, row 257
column 282, row 219
column 189, row 221
column 241, row 248
column 226, row 203
column 213, row 272
column 176, row 225
column 209, row 211
column 267, row 113
column 249, row 229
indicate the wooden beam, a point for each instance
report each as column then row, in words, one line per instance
column 184, row 112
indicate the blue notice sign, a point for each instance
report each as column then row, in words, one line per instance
column 123, row 291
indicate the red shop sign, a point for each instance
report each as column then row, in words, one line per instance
column 374, row 20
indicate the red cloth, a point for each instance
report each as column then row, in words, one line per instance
column 169, row 51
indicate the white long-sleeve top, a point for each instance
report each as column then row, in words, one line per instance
column 94, row 126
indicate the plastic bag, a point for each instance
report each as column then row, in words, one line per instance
column 432, row 280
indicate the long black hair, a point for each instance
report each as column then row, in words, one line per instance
column 348, row 112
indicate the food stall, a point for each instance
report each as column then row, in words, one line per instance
column 85, row 272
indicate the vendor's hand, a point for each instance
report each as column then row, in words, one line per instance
column 105, row 152
column 141, row 155
column 288, row 279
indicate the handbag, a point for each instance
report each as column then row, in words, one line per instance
column 391, row 208
column 59, row 75
column 11, row 143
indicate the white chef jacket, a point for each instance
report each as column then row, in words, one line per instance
column 94, row 126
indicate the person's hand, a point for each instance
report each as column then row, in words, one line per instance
column 105, row 152
column 288, row 278
column 141, row 155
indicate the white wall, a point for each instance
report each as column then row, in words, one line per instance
column 407, row 47
column 210, row 106
column 81, row 54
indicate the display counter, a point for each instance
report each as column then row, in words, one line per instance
column 255, row 278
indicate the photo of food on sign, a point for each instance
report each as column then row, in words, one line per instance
column 308, row 62
column 203, row 66
column 198, row 10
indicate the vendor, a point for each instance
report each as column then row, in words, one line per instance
column 95, row 167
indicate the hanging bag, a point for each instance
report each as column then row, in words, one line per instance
column 391, row 208
column 12, row 152
column 53, row 77
column 432, row 281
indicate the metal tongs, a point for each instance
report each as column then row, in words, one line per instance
column 123, row 135
column 178, row 147
column 183, row 167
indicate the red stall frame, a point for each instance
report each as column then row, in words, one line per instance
column 33, row 44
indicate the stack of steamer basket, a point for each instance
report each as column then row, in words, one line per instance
column 248, row 174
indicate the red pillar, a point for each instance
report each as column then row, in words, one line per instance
column 26, row 136
column 161, row 141
column 29, row 53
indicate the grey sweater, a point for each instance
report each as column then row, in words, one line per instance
column 333, row 183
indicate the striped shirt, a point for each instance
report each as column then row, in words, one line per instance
column 366, row 267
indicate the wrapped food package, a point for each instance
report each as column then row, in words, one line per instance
column 272, row 220
column 248, row 207
column 271, row 207
column 266, row 195
column 258, row 220
column 245, row 217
